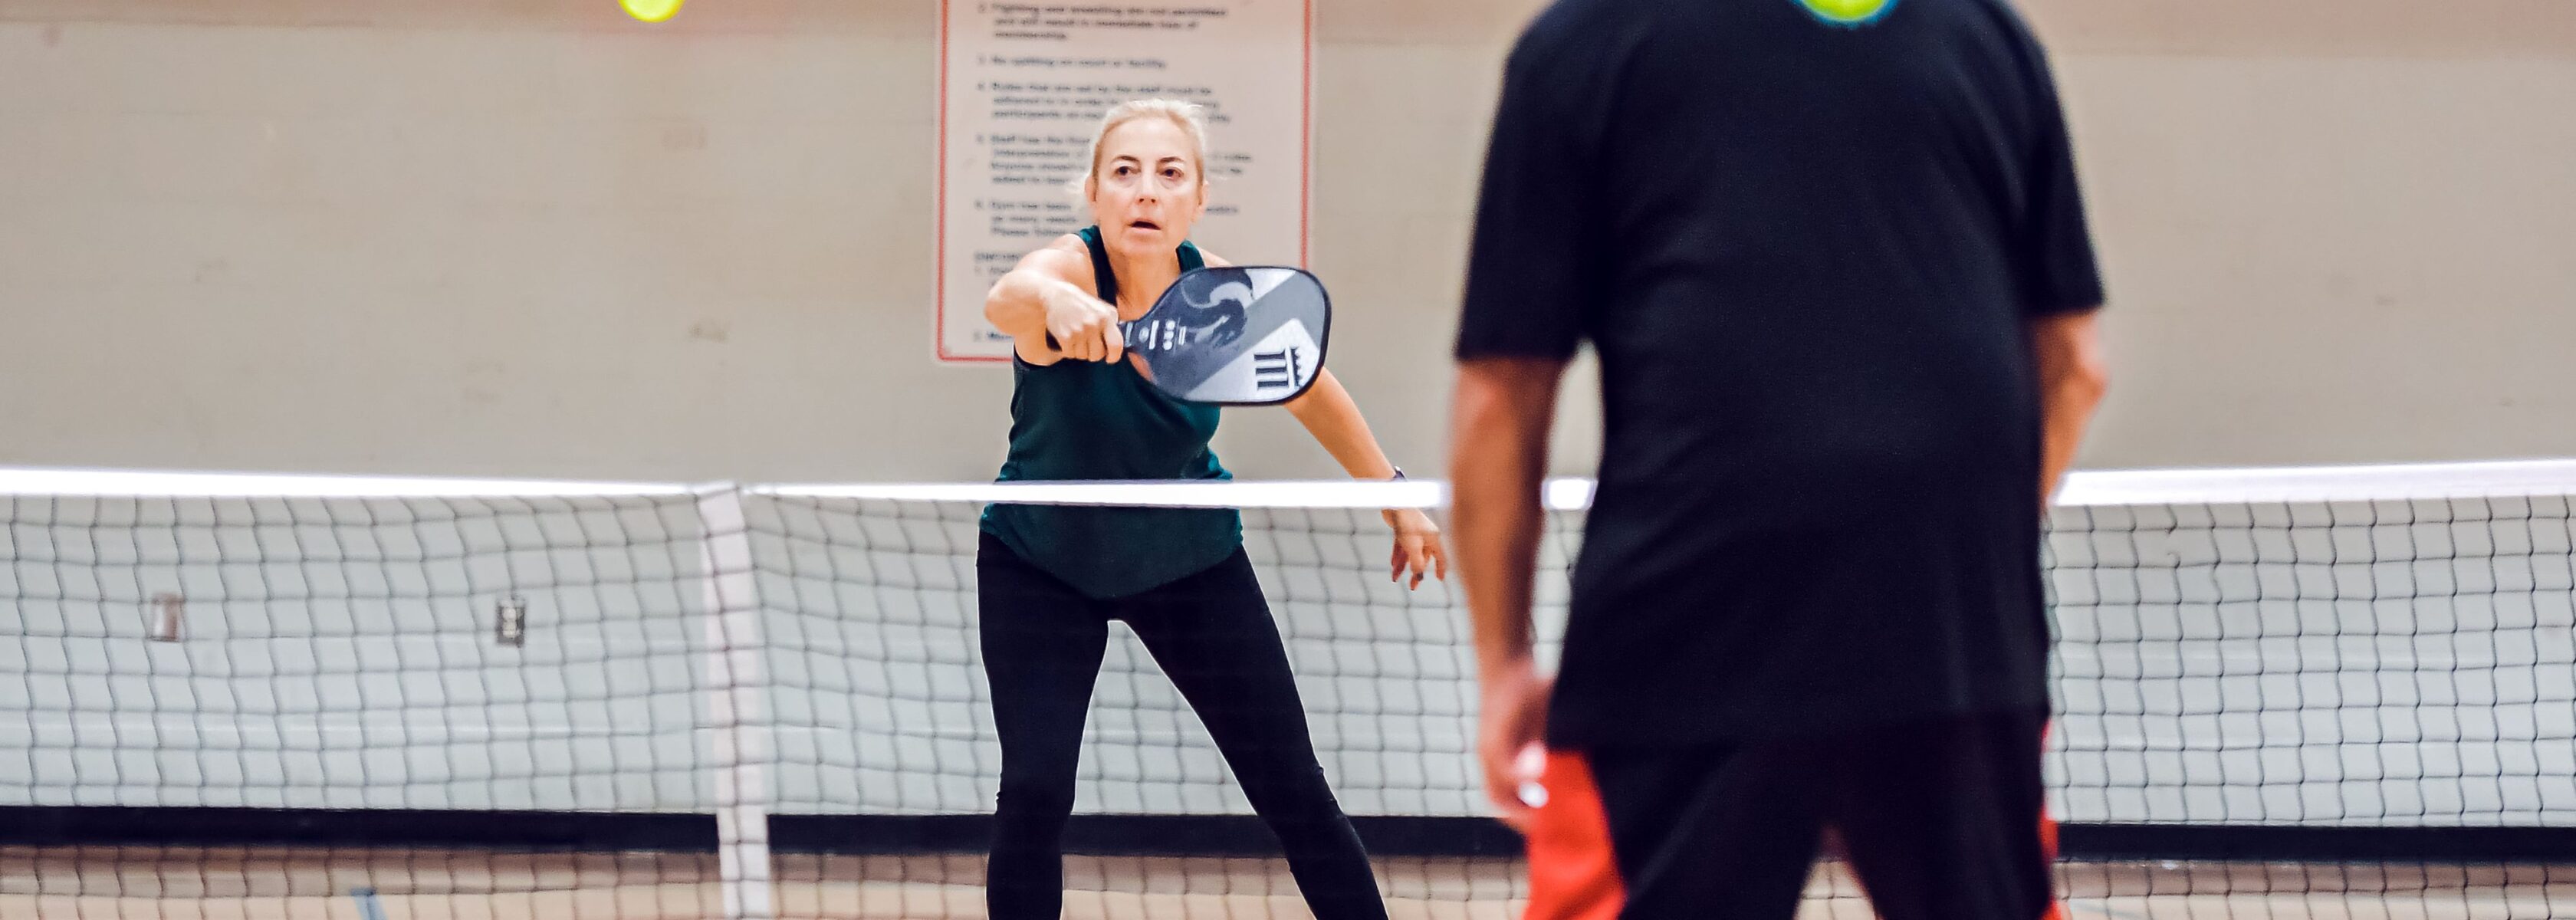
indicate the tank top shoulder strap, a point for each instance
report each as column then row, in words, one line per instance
column 1104, row 282
column 1190, row 259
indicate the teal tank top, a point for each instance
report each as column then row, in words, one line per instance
column 1085, row 420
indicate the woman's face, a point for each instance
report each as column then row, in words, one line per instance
column 1147, row 191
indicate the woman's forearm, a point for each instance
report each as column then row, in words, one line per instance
column 1329, row 414
column 1017, row 305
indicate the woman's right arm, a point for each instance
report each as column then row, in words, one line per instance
column 1044, row 296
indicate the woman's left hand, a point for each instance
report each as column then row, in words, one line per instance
column 1417, row 546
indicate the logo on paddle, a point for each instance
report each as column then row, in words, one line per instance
column 1277, row 370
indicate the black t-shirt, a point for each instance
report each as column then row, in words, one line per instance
column 1807, row 253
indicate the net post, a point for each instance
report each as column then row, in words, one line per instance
column 735, row 681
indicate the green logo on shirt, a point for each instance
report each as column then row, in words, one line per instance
column 1848, row 12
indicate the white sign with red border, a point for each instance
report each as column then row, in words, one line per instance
column 1023, row 85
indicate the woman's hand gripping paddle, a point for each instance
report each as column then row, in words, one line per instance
column 1236, row 336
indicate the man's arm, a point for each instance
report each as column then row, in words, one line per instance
column 1534, row 269
column 2072, row 377
column 1498, row 453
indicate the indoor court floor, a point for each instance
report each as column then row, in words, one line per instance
column 392, row 884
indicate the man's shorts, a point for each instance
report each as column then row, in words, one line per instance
column 1940, row 819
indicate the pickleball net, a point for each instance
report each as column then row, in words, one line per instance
column 2283, row 693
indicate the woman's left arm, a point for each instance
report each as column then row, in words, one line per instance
column 1329, row 414
column 1334, row 419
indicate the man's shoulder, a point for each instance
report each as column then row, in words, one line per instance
column 1575, row 30
column 2013, row 36
column 2006, row 19
column 1564, row 16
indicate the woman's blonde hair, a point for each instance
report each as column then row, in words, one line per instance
column 1188, row 115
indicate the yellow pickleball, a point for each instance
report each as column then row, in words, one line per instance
column 1847, row 12
column 651, row 10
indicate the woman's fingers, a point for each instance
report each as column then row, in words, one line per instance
column 1418, row 550
column 1092, row 337
column 1070, row 341
column 1410, row 549
column 1101, row 341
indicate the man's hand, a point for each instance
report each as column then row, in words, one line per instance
column 1511, row 737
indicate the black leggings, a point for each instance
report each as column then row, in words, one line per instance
column 1212, row 633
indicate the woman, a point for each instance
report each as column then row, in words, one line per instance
column 1050, row 578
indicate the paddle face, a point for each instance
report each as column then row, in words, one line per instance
column 1236, row 336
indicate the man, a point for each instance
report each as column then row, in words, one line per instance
column 1834, row 261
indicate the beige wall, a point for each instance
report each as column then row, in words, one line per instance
column 522, row 237
column 2333, row 231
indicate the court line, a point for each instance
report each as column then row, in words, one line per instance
column 368, row 908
